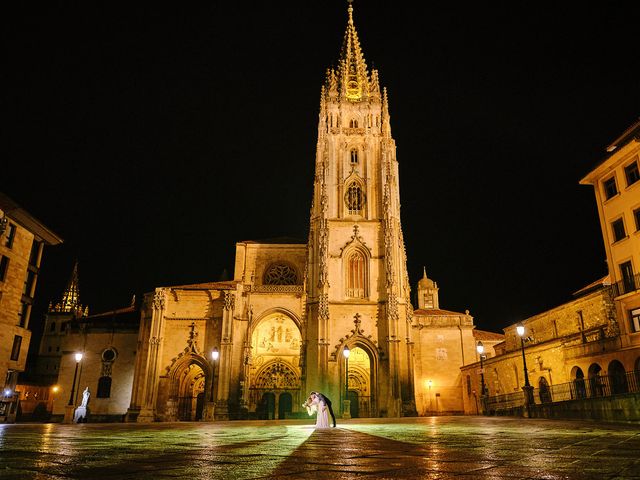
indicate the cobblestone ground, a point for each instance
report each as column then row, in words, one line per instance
column 416, row 448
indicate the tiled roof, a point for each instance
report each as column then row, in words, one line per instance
column 484, row 335
column 436, row 311
column 231, row 284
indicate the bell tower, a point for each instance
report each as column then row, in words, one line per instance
column 356, row 278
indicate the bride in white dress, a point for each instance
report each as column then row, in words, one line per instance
column 315, row 404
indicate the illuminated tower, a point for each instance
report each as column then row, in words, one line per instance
column 55, row 325
column 357, row 284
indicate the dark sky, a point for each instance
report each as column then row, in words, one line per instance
column 153, row 138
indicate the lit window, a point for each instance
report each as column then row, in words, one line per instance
column 354, row 199
column 632, row 173
column 356, row 275
column 635, row 320
column 610, row 188
column 618, row 230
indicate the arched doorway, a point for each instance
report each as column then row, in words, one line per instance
column 595, row 382
column 543, row 390
column 266, row 409
column 617, row 378
column 579, row 388
column 285, row 403
column 191, row 393
column 275, row 365
column 361, row 380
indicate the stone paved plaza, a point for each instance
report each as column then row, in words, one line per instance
column 431, row 448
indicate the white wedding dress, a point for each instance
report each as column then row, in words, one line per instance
column 322, row 417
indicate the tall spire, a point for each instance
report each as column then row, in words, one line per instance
column 353, row 69
column 71, row 296
column 70, row 302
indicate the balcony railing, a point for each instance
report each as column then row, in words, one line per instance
column 627, row 285
column 578, row 389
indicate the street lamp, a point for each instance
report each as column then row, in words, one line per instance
column 520, row 330
column 346, row 352
column 480, row 349
column 430, row 384
column 78, row 357
column 214, row 358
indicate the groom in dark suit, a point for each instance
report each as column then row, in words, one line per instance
column 326, row 400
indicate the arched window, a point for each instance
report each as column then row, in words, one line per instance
column 356, row 275
column 280, row 274
column 53, row 327
column 353, row 123
column 354, row 198
column 354, row 157
column 104, row 387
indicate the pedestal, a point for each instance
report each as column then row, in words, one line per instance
column 68, row 414
column 146, row 416
column 483, row 405
column 209, row 412
column 221, row 411
column 346, row 409
column 528, row 400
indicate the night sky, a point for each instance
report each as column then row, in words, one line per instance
column 154, row 138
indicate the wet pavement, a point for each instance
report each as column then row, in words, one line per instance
column 416, row 448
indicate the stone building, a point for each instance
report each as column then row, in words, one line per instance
column 256, row 345
column 597, row 333
column 616, row 182
column 282, row 326
column 108, row 343
column 22, row 240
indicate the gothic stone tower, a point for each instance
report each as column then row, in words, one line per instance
column 357, row 284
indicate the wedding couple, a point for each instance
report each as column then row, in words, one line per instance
column 318, row 403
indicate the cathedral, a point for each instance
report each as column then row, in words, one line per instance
column 333, row 314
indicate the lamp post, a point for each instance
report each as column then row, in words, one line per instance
column 78, row 357
column 520, row 330
column 430, row 384
column 527, row 389
column 480, row 349
column 346, row 413
column 214, row 358
column 483, row 389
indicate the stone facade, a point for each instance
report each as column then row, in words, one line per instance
column 108, row 342
column 282, row 325
column 616, row 182
column 255, row 346
column 22, row 239
column 578, row 339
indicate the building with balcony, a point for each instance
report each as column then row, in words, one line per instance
column 22, row 240
column 587, row 349
column 616, row 183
